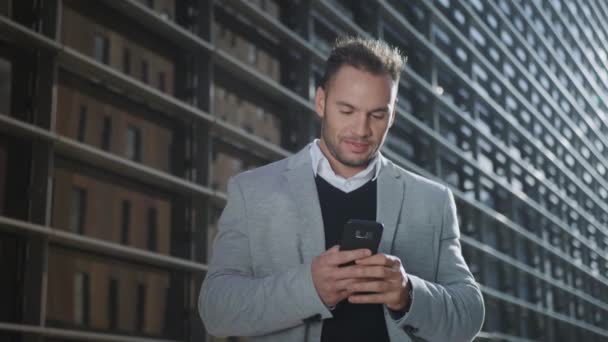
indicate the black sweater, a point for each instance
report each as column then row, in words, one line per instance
column 350, row 322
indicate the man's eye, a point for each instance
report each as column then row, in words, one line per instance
column 346, row 112
column 379, row 115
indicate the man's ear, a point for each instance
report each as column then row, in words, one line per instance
column 391, row 121
column 394, row 112
column 320, row 101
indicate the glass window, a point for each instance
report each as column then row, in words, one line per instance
column 477, row 37
column 115, row 296
column 233, row 40
column 115, row 124
column 144, row 71
column 82, row 297
column 252, row 54
column 152, row 216
column 115, row 209
column 126, row 61
column 5, row 86
column 477, row 5
column 92, row 29
column 133, row 143
column 106, row 133
column 113, row 304
column 125, row 222
column 242, row 108
column 82, row 123
column 421, row 157
column 140, row 308
column 161, row 81
column 101, row 48
column 259, row 51
column 78, row 210
column 450, row 169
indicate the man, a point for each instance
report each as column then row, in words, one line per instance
column 275, row 272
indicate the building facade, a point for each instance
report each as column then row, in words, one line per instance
column 122, row 121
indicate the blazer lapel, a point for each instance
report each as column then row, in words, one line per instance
column 391, row 191
column 303, row 191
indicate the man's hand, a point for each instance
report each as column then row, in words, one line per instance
column 331, row 280
column 385, row 277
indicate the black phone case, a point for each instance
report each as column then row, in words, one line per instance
column 361, row 234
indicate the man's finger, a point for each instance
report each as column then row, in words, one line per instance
column 344, row 257
column 350, row 272
column 375, row 298
column 370, row 286
column 380, row 260
column 333, row 249
column 376, row 272
column 345, row 284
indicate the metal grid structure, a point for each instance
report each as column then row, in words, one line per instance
column 501, row 100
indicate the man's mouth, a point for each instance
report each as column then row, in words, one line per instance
column 357, row 146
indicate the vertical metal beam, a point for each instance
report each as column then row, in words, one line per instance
column 434, row 113
column 178, row 322
column 303, row 123
column 199, row 16
column 43, row 16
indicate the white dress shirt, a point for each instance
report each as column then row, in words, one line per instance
column 321, row 167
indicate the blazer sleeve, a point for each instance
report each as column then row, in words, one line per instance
column 452, row 308
column 233, row 302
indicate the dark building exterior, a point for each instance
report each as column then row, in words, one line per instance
column 122, row 120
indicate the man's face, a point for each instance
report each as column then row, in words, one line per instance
column 356, row 111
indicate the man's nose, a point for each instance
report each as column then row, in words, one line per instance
column 362, row 127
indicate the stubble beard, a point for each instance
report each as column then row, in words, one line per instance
column 335, row 152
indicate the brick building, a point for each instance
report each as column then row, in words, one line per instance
column 121, row 122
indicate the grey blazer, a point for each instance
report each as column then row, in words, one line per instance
column 259, row 282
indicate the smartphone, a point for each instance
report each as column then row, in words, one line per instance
column 361, row 234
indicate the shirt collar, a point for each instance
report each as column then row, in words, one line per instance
column 321, row 164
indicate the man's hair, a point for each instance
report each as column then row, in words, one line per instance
column 371, row 55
